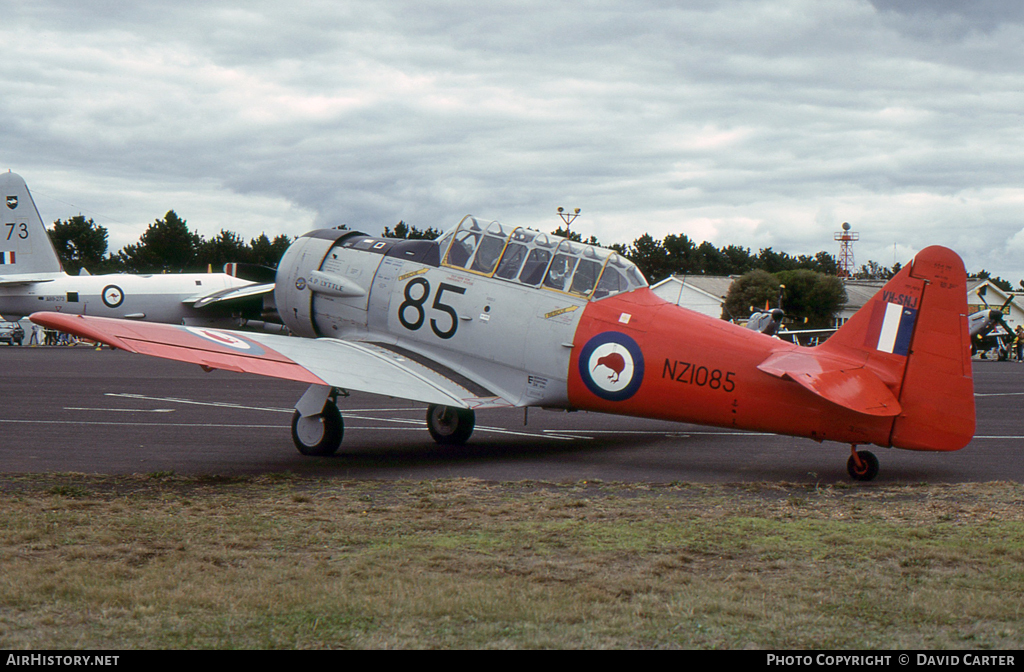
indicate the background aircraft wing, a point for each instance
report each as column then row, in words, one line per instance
column 25, row 279
column 230, row 294
column 348, row 365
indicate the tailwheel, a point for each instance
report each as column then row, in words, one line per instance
column 320, row 434
column 862, row 465
column 450, row 426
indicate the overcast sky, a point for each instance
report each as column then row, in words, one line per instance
column 761, row 123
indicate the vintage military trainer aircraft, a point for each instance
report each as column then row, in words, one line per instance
column 32, row 279
column 988, row 328
column 491, row 316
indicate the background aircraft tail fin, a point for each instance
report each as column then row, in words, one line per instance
column 915, row 338
column 24, row 245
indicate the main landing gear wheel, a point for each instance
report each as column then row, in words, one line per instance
column 320, row 434
column 450, row 426
column 862, row 465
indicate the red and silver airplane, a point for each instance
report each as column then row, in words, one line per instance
column 490, row 316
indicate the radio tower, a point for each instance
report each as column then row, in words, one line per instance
column 846, row 239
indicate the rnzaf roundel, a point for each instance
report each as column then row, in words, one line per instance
column 612, row 366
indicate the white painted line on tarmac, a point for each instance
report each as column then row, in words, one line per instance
column 122, row 410
column 347, row 414
column 225, row 404
column 652, row 432
column 136, row 424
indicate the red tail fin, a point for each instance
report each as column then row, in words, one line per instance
column 913, row 334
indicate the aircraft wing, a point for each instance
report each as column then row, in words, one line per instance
column 230, row 294
column 26, row 279
column 364, row 367
column 849, row 385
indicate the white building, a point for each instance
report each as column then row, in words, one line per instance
column 702, row 293
column 706, row 294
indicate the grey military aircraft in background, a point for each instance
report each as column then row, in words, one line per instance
column 32, row 279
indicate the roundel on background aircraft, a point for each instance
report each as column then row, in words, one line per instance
column 612, row 366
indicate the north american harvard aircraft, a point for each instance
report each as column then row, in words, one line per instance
column 492, row 316
column 32, row 279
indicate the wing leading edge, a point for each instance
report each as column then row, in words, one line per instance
column 362, row 367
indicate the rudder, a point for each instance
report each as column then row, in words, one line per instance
column 938, row 387
column 914, row 336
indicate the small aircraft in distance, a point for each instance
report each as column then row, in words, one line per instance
column 766, row 321
column 32, row 279
column 989, row 330
column 492, row 316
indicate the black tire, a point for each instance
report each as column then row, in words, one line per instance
column 450, row 426
column 868, row 468
column 322, row 438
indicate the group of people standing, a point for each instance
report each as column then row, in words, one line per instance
column 43, row 336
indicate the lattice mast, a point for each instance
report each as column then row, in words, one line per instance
column 846, row 238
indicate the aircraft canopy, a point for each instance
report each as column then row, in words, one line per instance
column 537, row 259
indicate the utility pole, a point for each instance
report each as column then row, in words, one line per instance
column 568, row 217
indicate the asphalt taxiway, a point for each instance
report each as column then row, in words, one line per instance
column 76, row 409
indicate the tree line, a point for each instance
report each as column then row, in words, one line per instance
column 806, row 285
column 167, row 246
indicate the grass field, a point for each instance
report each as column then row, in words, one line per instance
column 168, row 562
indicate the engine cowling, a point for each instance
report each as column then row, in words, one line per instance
column 293, row 293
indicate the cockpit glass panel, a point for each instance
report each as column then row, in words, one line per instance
column 585, row 277
column 560, row 271
column 636, row 278
column 533, row 269
column 444, row 241
column 612, row 282
column 569, row 247
column 496, row 229
column 543, row 240
column 524, row 236
column 511, row 261
column 487, row 254
column 462, row 248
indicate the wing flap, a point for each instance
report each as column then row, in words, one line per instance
column 847, row 384
column 326, row 361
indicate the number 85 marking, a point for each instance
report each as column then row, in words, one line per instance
column 415, row 303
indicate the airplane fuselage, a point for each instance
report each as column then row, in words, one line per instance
column 627, row 353
column 490, row 316
column 156, row 298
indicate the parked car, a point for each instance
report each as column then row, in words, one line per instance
column 11, row 333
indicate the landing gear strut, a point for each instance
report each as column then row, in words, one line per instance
column 317, row 427
column 450, row 426
column 862, row 465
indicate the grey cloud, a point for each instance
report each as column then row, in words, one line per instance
column 735, row 119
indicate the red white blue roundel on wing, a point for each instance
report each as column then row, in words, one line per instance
column 612, row 366
column 226, row 340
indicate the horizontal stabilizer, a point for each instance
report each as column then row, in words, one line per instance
column 844, row 383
